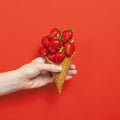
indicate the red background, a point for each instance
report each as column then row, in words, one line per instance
column 94, row 93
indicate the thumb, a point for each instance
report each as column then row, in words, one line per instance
column 49, row 67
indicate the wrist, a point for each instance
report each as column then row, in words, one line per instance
column 18, row 78
column 10, row 82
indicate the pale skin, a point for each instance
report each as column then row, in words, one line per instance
column 35, row 74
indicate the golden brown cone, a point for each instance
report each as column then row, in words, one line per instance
column 60, row 77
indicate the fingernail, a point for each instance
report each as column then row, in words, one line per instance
column 68, row 77
column 74, row 66
column 75, row 72
column 58, row 68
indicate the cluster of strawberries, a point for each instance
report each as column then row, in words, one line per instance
column 57, row 45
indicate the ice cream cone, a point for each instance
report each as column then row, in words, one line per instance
column 60, row 77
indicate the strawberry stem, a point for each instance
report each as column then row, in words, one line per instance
column 71, row 41
column 59, row 37
column 62, row 49
column 60, row 30
column 70, row 28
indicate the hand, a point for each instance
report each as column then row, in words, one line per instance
column 32, row 75
column 38, row 73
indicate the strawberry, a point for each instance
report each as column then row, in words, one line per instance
column 45, row 41
column 69, row 48
column 59, row 57
column 67, row 35
column 55, row 43
column 52, row 50
column 43, row 51
column 51, row 57
column 54, row 33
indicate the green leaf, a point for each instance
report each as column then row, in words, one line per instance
column 71, row 41
column 70, row 28
column 62, row 49
column 59, row 37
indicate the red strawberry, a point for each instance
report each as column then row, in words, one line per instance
column 52, row 50
column 43, row 51
column 59, row 57
column 54, row 33
column 55, row 43
column 51, row 57
column 69, row 48
column 45, row 41
column 67, row 35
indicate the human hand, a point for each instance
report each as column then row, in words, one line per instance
column 32, row 75
column 38, row 73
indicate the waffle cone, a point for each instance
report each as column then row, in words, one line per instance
column 59, row 78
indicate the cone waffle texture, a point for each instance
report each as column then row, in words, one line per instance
column 59, row 78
